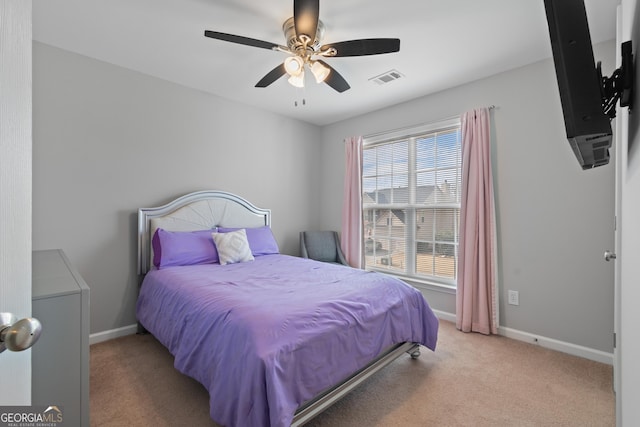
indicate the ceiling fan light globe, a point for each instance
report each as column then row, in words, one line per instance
column 320, row 71
column 297, row 80
column 293, row 65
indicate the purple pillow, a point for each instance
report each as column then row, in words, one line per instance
column 173, row 248
column 261, row 240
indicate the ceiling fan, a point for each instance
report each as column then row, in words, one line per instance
column 304, row 33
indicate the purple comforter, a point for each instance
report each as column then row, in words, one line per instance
column 267, row 335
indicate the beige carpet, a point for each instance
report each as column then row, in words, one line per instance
column 471, row 380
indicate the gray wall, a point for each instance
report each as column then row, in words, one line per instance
column 554, row 220
column 107, row 140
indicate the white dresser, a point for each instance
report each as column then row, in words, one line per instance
column 60, row 358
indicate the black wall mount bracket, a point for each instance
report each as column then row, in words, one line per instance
column 620, row 85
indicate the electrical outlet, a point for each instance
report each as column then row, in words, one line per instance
column 514, row 298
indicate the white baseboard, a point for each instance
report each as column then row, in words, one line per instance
column 445, row 316
column 553, row 344
column 113, row 333
column 550, row 343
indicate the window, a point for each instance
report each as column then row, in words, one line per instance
column 411, row 202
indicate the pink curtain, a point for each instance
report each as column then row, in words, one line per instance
column 476, row 294
column 351, row 238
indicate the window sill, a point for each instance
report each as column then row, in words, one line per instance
column 422, row 284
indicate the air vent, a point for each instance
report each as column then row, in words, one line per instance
column 387, row 77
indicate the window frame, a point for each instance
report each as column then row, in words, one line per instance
column 410, row 134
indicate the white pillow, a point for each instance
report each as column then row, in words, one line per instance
column 233, row 247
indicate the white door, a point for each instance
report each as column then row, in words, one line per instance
column 627, row 265
column 621, row 132
column 15, row 188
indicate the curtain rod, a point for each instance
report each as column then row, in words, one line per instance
column 379, row 134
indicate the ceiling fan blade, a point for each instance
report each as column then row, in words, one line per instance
column 240, row 40
column 272, row 76
column 305, row 17
column 334, row 79
column 363, row 47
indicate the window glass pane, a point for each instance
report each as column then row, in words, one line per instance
column 429, row 263
column 401, row 189
column 401, row 157
column 389, row 165
column 425, row 182
column 397, row 221
column 447, row 147
column 400, row 172
column 445, row 225
column 384, row 240
column 425, row 259
column 377, row 224
column 369, row 187
column 383, row 185
column 447, row 186
column 388, row 254
column 445, row 265
column 425, row 152
column 368, row 219
column 369, row 165
column 384, row 159
column 425, row 222
column 425, row 235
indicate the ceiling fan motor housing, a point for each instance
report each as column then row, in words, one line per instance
column 294, row 43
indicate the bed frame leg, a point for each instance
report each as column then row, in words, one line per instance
column 414, row 352
column 141, row 330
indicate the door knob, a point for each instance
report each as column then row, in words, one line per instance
column 18, row 335
column 608, row 255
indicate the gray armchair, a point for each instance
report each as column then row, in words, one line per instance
column 322, row 246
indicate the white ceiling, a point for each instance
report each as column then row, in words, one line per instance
column 444, row 43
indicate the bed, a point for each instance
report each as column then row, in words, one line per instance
column 275, row 339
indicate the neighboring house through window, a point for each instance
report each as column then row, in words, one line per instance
column 411, row 202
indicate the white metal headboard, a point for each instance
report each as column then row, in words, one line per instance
column 201, row 210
